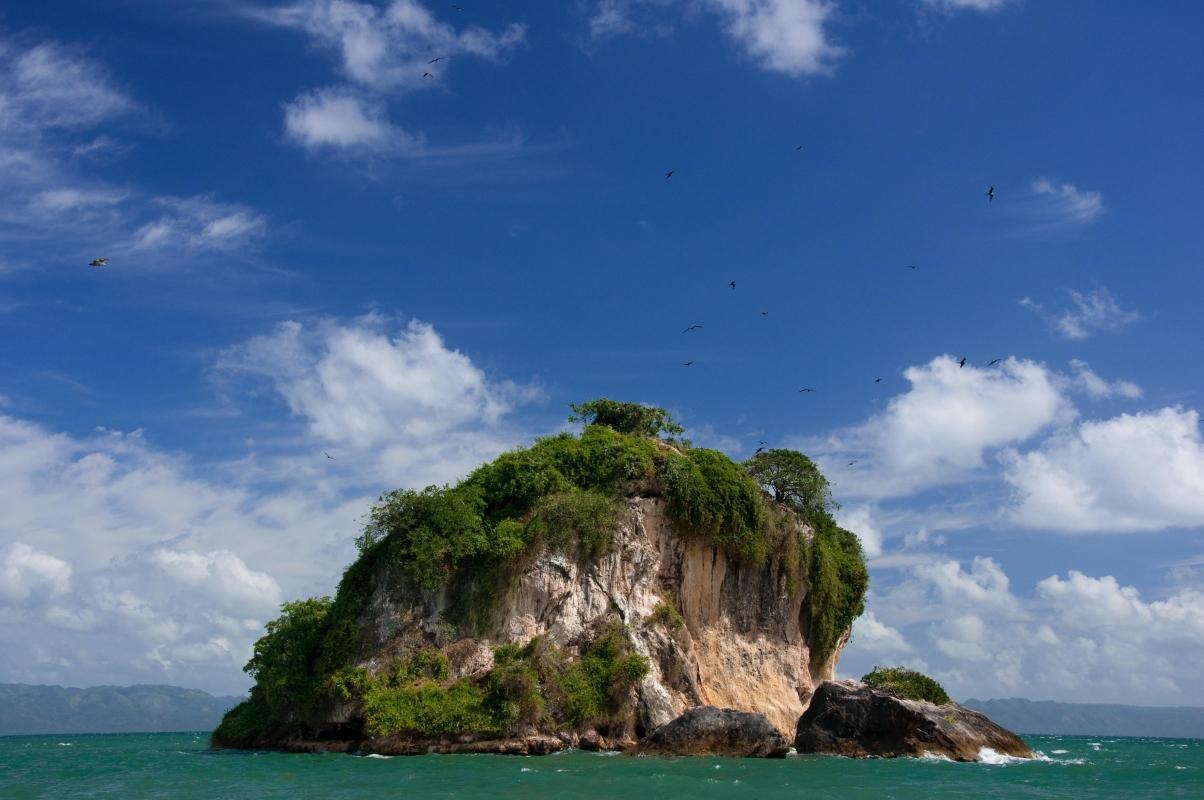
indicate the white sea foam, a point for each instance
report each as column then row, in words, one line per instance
column 526, row 769
column 988, row 756
column 936, row 757
column 376, row 755
column 1059, row 752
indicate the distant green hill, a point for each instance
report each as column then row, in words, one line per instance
column 26, row 709
column 1093, row 719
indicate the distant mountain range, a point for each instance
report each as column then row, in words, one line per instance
column 1093, row 719
column 26, row 709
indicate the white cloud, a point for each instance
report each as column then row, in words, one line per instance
column 1074, row 638
column 1093, row 312
column 341, row 120
column 26, row 572
column 875, row 637
column 389, row 47
column 360, row 387
column 782, row 35
column 974, row 5
column 1086, row 380
column 48, row 86
column 150, row 568
column 787, row 36
column 860, row 520
column 200, row 223
column 939, row 430
column 1067, row 203
column 1134, row 472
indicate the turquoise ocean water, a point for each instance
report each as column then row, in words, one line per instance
column 182, row 766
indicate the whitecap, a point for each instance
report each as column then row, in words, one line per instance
column 526, row 769
column 936, row 757
column 66, row 744
column 988, row 756
column 376, row 755
column 1059, row 752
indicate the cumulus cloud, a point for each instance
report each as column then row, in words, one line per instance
column 148, row 567
column 940, row 429
column 787, row 36
column 26, row 573
column 860, row 520
column 363, row 386
column 388, row 47
column 782, row 35
column 1077, row 638
column 1091, row 313
column 1133, row 472
column 339, row 119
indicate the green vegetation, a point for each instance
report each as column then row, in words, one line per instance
column 531, row 685
column 907, row 684
column 633, row 418
column 792, row 479
column 665, row 613
column 565, row 493
column 839, row 581
column 244, row 724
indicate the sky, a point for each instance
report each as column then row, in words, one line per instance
column 339, row 266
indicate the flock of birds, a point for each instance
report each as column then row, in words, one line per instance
column 990, row 195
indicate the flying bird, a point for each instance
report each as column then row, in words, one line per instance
column 994, row 361
column 961, row 363
column 692, row 328
column 99, row 262
column 759, row 451
column 990, row 194
column 762, row 443
column 732, row 284
column 800, row 147
column 877, row 380
column 765, row 313
column 328, row 455
column 851, row 463
column 687, row 363
column 669, row 174
column 806, row 390
column 427, row 75
column 436, row 60
column 911, row 266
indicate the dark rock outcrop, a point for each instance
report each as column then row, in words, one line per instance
column 851, row 719
column 711, row 731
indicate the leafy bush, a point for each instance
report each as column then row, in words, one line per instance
column 714, row 496
column 427, row 708
column 633, row 418
column 838, row 583
column 284, row 657
column 594, row 687
column 665, row 613
column 906, row 683
column 578, row 519
column 243, row 725
column 792, row 479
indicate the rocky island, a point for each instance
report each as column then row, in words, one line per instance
column 586, row 591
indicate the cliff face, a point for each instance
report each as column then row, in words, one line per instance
column 715, row 630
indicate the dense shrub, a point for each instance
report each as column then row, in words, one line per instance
column 576, row 520
column 427, row 708
column 594, row 687
column 906, row 683
column 714, row 496
column 838, row 583
column 243, row 725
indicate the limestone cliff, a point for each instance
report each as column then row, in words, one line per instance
column 741, row 642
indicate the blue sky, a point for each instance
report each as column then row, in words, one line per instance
column 313, row 247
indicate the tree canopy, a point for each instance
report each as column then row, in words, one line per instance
column 791, row 478
column 632, row 418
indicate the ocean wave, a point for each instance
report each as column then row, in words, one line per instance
column 376, row 755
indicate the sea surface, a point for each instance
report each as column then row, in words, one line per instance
column 181, row 765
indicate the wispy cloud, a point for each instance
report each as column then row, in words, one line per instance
column 339, row 119
column 970, row 5
column 1091, row 313
column 1067, row 203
